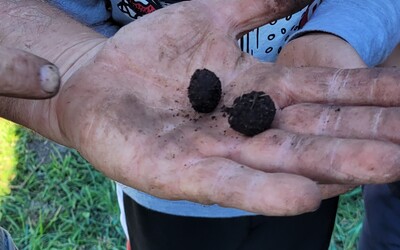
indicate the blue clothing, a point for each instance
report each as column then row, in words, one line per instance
column 371, row 27
column 93, row 13
column 367, row 25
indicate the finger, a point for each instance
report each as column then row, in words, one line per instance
column 338, row 121
column 376, row 87
column 333, row 190
column 243, row 15
column 324, row 159
column 288, row 86
column 27, row 76
column 221, row 181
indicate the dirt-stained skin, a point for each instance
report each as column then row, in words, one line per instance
column 119, row 108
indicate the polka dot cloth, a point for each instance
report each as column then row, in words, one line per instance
column 265, row 43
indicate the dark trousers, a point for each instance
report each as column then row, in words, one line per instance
column 151, row 230
column 381, row 226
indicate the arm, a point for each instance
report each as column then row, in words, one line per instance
column 320, row 49
column 123, row 105
column 36, row 27
column 369, row 26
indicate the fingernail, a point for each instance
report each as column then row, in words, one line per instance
column 49, row 78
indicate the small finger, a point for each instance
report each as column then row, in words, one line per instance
column 361, row 122
column 224, row 182
column 25, row 75
column 332, row 190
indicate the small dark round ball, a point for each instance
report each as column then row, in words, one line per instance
column 204, row 91
column 252, row 113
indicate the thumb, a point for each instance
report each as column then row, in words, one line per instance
column 243, row 15
column 25, row 75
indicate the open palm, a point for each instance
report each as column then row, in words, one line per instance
column 128, row 113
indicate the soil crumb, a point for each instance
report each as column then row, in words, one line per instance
column 204, row 91
column 251, row 113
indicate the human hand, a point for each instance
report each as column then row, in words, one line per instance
column 355, row 121
column 316, row 50
column 125, row 109
column 24, row 75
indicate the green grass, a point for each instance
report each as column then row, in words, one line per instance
column 57, row 200
column 348, row 221
column 51, row 198
column 8, row 157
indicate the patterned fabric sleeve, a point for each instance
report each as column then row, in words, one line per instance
column 266, row 42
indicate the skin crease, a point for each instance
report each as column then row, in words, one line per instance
column 326, row 50
column 123, row 105
column 316, row 49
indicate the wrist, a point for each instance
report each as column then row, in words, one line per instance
column 37, row 27
column 43, row 30
column 76, row 56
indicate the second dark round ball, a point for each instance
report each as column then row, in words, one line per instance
column 251, row 113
